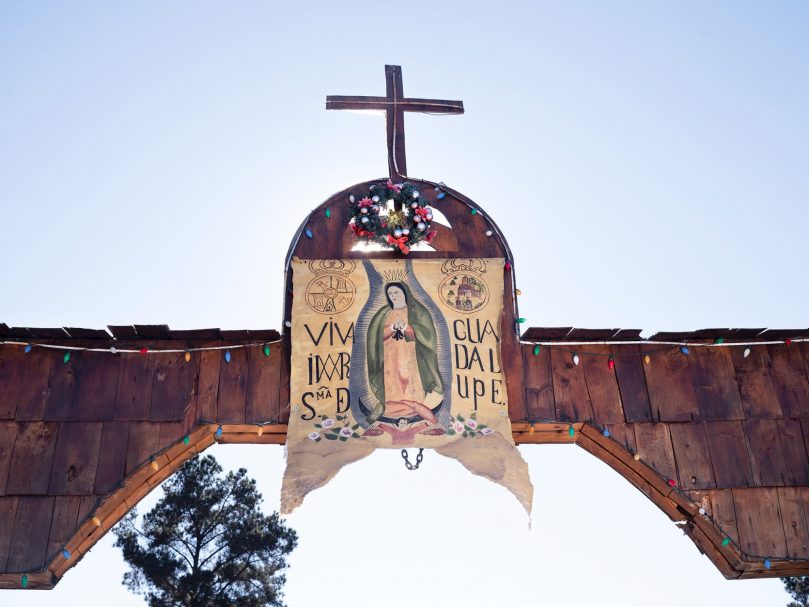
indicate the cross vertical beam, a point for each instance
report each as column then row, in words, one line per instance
column 394, row 122
column 394, row 104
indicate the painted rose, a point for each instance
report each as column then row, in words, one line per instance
column 315, row 436
column 471, row 423
column 327, row 423
column 486, row 431
column 458, row 427
column 346, row 432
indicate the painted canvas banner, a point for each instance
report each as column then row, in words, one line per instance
column 396, row 354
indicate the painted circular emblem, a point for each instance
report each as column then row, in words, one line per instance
column 464, row 292
column 330, row 293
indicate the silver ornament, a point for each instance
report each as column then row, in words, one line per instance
column 375, row 198
column 415, row 195
column 351, row 197
column 421, row 226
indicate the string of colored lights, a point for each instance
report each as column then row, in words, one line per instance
column 726, row 538
column 29, row 345
column 683, row 347
column 685, row 343
column 726, row 541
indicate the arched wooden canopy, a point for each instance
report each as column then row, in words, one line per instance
column 717, row 439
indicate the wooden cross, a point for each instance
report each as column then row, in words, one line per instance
column 395, row 105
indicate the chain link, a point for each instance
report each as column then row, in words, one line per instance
column 419, row 459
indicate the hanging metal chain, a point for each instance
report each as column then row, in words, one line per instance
column 419, row 459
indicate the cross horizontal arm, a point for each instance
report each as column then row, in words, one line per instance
column 343, row 102
column 432, row 106
column 394, row 104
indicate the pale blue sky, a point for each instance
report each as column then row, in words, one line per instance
column 646, row 161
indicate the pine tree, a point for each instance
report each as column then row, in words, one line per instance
column 798, row 588
column 206, row 543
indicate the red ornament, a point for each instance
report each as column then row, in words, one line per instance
column 672, row 482
column 430, row 235
column 360, row 232
column 788, row 341
column 611, row 363
column 394, row 187
column 507, row 266
column 143, row 351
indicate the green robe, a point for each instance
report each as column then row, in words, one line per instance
column 419, row 318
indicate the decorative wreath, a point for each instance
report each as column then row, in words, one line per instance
column 374, row 217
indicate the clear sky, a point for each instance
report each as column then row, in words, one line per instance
column 647, row 163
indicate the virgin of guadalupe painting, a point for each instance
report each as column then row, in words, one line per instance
column 393, row 362
column 400, row 349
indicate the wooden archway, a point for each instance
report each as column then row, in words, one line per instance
column 717, row 440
